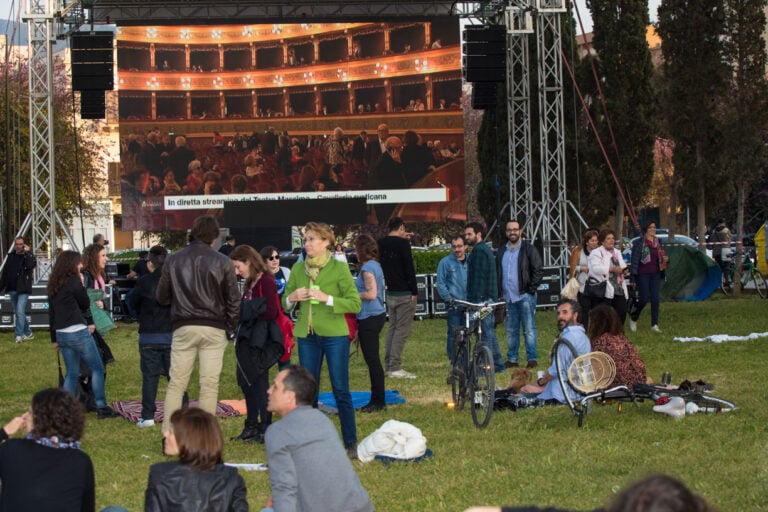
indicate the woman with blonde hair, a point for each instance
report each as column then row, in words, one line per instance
column 324, row 290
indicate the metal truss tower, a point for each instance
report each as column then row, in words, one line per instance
column 40, row 22
column 544, row 210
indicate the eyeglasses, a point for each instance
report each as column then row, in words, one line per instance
column 273, row 258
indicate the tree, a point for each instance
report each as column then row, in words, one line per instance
column 625, row 74
column 79, row 156
column 695, row 82
column 745, row 110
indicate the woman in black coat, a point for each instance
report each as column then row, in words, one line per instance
column 199, row 480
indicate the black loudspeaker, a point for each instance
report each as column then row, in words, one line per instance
column 257, row 238
column 484, row 53
column 493, row 33
column 293, row 212
column 92, row 61
column 484, row 95
column 92, row 105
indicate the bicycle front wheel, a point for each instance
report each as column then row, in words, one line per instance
column 760, row 285
column 728, row 276
column 459, row 368
column 482, row 388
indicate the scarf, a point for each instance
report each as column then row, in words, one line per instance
column 313, row 265
column 53, row 442
column 647, row 244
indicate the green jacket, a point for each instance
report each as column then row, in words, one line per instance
column 335, row 280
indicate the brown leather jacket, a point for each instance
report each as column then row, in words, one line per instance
column 200, row 285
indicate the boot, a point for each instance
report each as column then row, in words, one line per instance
column 249, row 431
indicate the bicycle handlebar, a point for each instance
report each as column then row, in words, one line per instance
column 479, row 306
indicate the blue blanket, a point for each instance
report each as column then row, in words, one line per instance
column 361, row 398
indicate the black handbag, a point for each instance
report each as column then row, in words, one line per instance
column 594, row 289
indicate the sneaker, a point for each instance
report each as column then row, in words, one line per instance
column 511, row 364
column 632, row 325
column 145, row 423
column 19, row 339
column 27, row 337
column 655, row 328
column 401, row 374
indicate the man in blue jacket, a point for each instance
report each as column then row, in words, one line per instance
column 452, row 284
column 16, row 279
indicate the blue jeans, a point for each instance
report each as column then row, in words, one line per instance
column 521, row 312
column 455, row 319
column 490, row 340
column 336, row 352
column 19, row 305
column 79, row 345
column 648, row 287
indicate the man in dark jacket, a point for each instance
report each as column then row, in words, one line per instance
column 155, row 333
column 179, row 159
column 400, row 277
column 387, row 175
column 482, row 285
column 16, row 280
column 520, row 272
column 200, row 285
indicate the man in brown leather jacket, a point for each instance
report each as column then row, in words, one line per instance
column 200, row 285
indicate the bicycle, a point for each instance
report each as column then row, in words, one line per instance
column 749, row 273
column 478, row 379
column 584, row 376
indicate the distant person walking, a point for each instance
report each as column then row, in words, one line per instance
column 647, row 265
column 16, row 279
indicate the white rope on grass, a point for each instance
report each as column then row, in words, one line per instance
column 720, row 338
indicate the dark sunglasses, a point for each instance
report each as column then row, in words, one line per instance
column 273, row 257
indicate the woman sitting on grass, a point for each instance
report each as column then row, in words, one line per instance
column 47, row 470
column 199, row 480
column 606, row 333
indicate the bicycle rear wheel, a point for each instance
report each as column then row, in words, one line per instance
column 482, row 388
column 760, row 285
column 459, row 368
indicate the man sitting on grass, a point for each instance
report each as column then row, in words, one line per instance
column 547, row 387
column 308, row 466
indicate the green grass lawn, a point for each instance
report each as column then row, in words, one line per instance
column 533, row 456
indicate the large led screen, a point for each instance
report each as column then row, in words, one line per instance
column 210, row 114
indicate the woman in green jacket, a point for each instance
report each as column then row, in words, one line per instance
column 324, row 290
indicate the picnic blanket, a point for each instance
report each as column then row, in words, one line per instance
column 131, row 410
column 359, row 398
